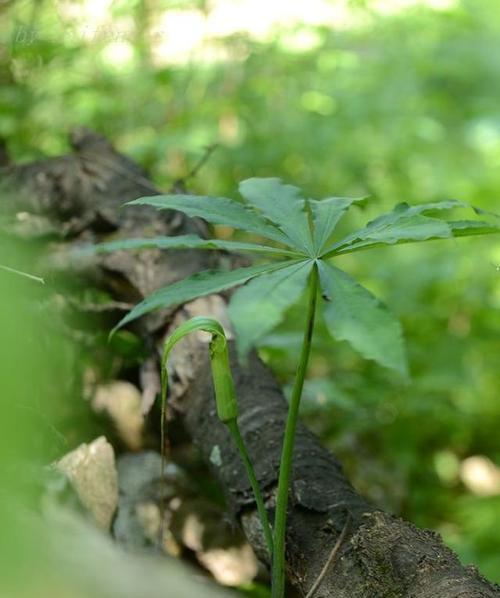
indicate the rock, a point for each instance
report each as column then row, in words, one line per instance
column 232, row 566
column 219, row 546
column 137, row 524
column 91, row 470
column 122, row 402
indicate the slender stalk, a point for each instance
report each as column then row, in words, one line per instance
column 261, row 509
column 161, row 529
column 278, row 572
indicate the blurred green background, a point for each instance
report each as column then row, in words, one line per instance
column 397, row 99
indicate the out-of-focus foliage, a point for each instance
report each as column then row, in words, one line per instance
column 402, row 106
column 41, row 416
column 31, row 384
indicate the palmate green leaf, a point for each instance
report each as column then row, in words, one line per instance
column 197, row 285
column 404, row 222
column 353, row 314
column 326, row 214
column 408, row 224
column 183, row 242
column 216, row 210
column 458, row 228
column 280, row 213
column 414, row 228
column 283, row 205
column 259, row 306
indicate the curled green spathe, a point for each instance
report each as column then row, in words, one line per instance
column 225, row 395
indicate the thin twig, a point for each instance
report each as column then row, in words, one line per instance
column 209, row 150
column 141, row 180
column 25, row 274
column 331, row 558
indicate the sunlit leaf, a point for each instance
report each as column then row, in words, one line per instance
column 402, row 224
column 407, row 229
column 408, row 224
column 284, row 205
column 259, row 306
column 353, row 314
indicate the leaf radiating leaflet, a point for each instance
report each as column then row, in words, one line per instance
column 197, row 285
column 409, row 224
column 183, row 242
column 326, row 214
column 353, row 314
column 217, row 210
column 284, row 205
column 259, row 306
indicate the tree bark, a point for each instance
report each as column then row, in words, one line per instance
column 78, row 198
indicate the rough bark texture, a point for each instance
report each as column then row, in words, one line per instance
column 78, row 197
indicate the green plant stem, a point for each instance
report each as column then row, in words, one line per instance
column 161, row 529
column 278, row 565
column 261, row 509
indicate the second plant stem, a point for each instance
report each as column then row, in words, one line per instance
column 261, row 508
column 278, row 563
